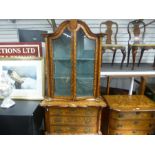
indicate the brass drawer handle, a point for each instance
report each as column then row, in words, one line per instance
column 137, row 113
column 119, row 126
column 136, row 122
column 150, row 125
column 133, row 131
column 118, row 133
column 120, row 115
column 152, row 115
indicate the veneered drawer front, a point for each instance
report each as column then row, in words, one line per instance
column 132, row 124
column 88, row 111
column 63, row 120
column 72, row 130
column 130, row 132
column 132, row 115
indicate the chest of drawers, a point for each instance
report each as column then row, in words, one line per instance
column 78, row 117
column 130, row 115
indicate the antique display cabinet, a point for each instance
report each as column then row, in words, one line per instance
column 73, row 58
column 130, row 115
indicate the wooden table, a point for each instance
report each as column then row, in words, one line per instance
column 132, row 74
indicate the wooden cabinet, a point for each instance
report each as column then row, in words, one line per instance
column 73, row 60
column 130, row 114
column 78, row 117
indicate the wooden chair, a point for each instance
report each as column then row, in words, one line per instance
column 109, row 39
column 136, row 30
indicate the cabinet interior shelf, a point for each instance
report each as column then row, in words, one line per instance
column 78, row 59
column 78, row 78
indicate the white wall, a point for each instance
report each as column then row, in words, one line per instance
column 9, row 33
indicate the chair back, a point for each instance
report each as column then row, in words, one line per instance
column 136, row 31
column 111, row 29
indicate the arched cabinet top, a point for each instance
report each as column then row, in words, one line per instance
column 73, row 25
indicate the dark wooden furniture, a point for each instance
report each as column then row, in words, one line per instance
column 136, row 31
column 111, row 40
column 24, row 118
column 133, row 115
column 150, row 90
column 73, row 60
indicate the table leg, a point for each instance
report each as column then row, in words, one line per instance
column 108, row 85
column 154, row 63
column 142, row 86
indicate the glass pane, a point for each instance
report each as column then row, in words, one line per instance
column 85, row 65
column 62, row 64
column 62, row 86
column 84, row 86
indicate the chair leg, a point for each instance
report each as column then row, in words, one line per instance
column 103, row 51
column 154, row 63
column 141, row 55
column 113, row 57
column 134, row 52
column 124, row 55
column 129, row 49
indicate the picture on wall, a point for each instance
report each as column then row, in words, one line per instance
column 26, row 76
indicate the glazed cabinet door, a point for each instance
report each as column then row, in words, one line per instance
column 62, row 65
column 85, row 65
column 73, row 54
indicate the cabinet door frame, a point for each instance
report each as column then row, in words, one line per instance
column 73, row 26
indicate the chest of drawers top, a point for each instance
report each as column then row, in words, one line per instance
column 92, row 102
column 129, row 103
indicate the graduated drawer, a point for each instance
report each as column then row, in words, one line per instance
column 63, row 120
column 54, row 129
column 130, row 132
column 132, row 124
column 132, row 115
column 58, row 111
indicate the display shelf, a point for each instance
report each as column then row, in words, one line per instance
column 85, row 59
column 85, row 78
column 61, row 59
column 78, row 59
column 61, row 77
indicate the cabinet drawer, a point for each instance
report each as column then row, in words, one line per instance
column 132, row 115
column 132, row 124
column 88, row 111
column 72, row 130
column 130, row 132
column 63, row 120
